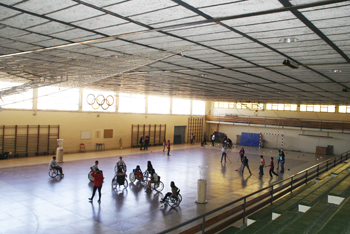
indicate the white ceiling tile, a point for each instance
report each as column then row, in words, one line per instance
column 75, row 13
column 134, row 7
column 44, row 7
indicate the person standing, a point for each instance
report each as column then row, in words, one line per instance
column 213, row 139
column 224, row 153
column 241, row 154
column 54, row 165
column 94, row 167
column 98, row 180
column 282, row 161
column 121, row 164
column 205, row 139
column 223, row 141
column 272, row 166
column 245, row 164
column 141, row 142
column 164, row 144
column 262, row 165
column 168, row 146
column 192, row 138
column 146, row 142
column 278, row 159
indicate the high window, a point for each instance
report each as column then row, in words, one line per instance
column 198, row 107
column 22, row 100
column 230, row 105
column 181, row 106
column 158, row 105
column 53, row 98
column 132, row 103
column 318, row 108
column 250, row 106
column 344, row 109
column 285, row 107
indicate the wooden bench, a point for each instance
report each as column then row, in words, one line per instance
column 317, row 194
column 329, row 172
column 312, row 220
column 267, row 211
column 336, row 195
column 230, row 230
column 338, row 171
column 275, row 226
column 295, row 200
column 339, row 223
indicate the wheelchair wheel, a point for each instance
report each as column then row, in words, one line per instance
column 132, row 177
column 53, row 173
column 126, row 184
column 114, row 184
column 146, row 176
column 159, row 186
column 175, row 201
column 91, row 178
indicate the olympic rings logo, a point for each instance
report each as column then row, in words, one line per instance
column 99, row 101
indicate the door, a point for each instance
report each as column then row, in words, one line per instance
column 179, row 134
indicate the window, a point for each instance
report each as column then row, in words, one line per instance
column 224, row 105
column 318, row 108
column 181, row 106
column 250, row 106
column 52, row 98
column 98, row 101
column 281, row 107
column 198, row 107
column 22, row 100
column 158, row 105
column 132, row 103
column 344, row 109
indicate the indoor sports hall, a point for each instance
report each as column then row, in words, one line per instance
column 177, row 83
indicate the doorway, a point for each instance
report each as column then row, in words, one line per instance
column 179, row 134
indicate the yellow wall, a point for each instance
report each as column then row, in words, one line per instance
column 72, row 123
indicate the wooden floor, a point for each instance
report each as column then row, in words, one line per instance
column 31, row 202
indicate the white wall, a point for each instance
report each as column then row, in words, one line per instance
column 292, row 138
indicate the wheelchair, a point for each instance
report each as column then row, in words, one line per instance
column 90, row 177
column 122, row 166
column 157, row 186
column 53, row 173
column 146, row 176
column 173, row 201
column 116, row 184
column 133, row 177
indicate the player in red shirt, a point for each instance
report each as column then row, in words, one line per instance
column 272, row 166
column 98, row 180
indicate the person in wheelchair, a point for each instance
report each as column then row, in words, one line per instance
column 54, row 165
column 149, row 167
column 154, row 179
column 173, row 193
column 138, row 173
column 121, row 164
column 121, row 176
column 95, row 166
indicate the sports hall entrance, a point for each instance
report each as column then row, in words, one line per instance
column 179, row 134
